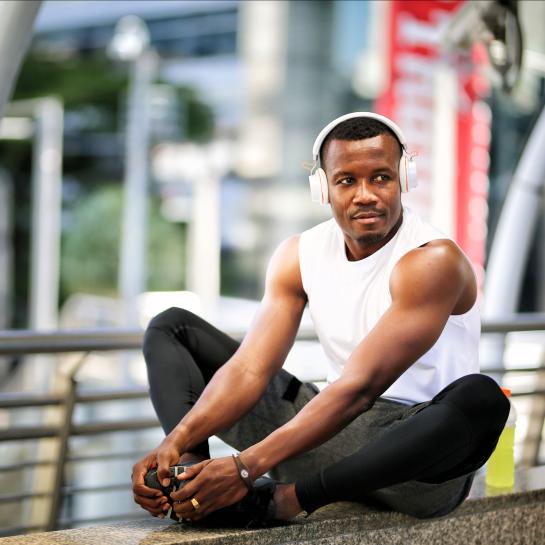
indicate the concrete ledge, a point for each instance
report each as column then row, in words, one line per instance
column 514, row 518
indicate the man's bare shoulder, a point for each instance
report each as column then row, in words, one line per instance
column 438, row 269
column 283, row 271
column 289, row 245
column 286, row 254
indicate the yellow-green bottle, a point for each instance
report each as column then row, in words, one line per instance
column 500, row 468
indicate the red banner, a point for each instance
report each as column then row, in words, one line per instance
column 413, row 98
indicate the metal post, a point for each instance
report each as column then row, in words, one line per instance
column 45, row 262
column 132, row 270
column 64, row 436
column 46, row 214
column 6, row 253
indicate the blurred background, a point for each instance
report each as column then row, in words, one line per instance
column 155, row 153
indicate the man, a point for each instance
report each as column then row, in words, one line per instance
column 405, row 419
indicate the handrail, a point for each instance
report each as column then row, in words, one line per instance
column 104, row 457
column 534, row 321
column 94, row 428
column 9, row 400
column 23, row 341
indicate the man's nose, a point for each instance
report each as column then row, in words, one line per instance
column 364, row 192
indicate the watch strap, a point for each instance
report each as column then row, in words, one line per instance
column 243, row 472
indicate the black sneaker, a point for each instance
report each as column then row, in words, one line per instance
column 256, row 509
column 151, row 480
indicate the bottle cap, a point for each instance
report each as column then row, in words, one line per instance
column 506, row 391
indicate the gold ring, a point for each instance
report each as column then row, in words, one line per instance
column 196, row 505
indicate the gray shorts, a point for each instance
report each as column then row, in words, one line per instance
column 273, row 410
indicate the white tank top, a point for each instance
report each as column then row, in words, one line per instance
column 347, row 298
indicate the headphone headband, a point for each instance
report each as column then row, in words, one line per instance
column 370, row 115
column 318, row 179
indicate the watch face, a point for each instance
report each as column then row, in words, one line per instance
column 244, row 474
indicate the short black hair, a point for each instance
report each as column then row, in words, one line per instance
column 357, row 128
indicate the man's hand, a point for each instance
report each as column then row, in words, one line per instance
column 214, row 484
column 150, row 499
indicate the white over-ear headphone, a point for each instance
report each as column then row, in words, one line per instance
column 318, row 178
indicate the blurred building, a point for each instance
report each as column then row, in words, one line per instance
column 274, row 73
column 270, row 84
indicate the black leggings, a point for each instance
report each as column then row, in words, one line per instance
column 452, row 435
column 182, row 353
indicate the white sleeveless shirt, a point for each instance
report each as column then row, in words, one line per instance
column 347, row 298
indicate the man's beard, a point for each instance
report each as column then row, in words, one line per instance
column 371, row 238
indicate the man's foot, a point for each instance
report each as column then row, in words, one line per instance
column 254, row 510
column 268, row 503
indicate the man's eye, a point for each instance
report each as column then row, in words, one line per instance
column 346, row 181
column 382, row 178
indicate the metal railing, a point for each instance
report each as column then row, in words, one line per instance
column 87, row 341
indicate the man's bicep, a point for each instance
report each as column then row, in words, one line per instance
column 274, row 328
column 426, row 286
column 423, row 297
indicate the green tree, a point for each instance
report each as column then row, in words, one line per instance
column 91, row 247
column 92, row 87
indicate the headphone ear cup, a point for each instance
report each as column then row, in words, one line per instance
column 318, row 187
column 314, row 182
column 324, row 190
column 413, row 179
column 407, row 173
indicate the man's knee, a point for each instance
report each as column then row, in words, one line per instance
column 169, row 322
column 171, row 318
column 481, row 400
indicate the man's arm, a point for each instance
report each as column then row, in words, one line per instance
column 238, row 385
column 258, row 359
column 427, row 286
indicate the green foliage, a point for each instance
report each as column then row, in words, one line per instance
column 78, row 81
column 200, row 120
column 89, row 263
column 93, row 89
column 167, row 251
column 91, row 247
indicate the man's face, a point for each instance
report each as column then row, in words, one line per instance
column 364, row 191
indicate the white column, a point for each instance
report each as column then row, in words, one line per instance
column 39, row 370
column 204, row 243
column 132, row 266
column 262, row 48
column 209, row 164
column 46, row 214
